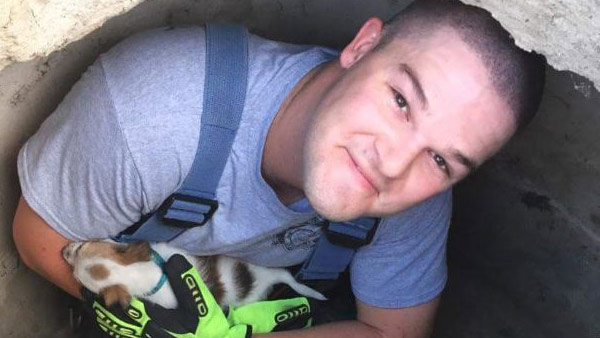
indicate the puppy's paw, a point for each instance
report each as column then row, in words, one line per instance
column 116, row 293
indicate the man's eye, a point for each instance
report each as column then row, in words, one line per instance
column 401, row 102
column 441, row 163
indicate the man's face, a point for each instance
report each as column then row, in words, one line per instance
column 401, row 124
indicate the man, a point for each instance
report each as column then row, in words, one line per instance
column 384, row 129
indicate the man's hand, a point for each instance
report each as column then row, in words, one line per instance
column 198, row 314
column 372, row 322
column 275, row 315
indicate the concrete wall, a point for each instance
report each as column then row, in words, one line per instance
column 524, row 249
column 567, row 32
column 524, row 245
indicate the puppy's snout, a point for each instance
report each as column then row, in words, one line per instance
column 69, row 252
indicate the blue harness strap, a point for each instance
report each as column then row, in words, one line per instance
column 224, row 94
column 194, row 203
column 334, row 251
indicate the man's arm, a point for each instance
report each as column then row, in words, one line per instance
column 413, row 322
column 39, row 247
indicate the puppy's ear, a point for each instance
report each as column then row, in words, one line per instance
column 116, row 293
column 135, row 252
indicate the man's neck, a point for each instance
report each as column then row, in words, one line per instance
column 282, row 161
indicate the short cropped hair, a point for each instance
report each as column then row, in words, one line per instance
column 518, row 76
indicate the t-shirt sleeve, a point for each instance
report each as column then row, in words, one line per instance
column 406, row 263
column 76, row 171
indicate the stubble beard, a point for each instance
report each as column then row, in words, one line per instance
column 327, row 198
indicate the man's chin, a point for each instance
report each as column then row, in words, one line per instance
column 341, row 212
column 333, row 202
column 336, row 212
column 333, row 217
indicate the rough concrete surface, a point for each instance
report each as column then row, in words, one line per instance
column 37, row 28
column 567, row 32
column 524, row 247
column 524, row 244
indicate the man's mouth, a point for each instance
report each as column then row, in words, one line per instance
column 363, row 177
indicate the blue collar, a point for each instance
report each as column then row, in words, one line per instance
column 163, row 279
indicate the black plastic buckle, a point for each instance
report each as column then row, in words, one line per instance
column 347, row 241
column 166, row 205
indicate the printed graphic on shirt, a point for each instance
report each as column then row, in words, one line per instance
column 303, row 236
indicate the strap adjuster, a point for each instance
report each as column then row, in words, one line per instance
column 352, row 234
column 185, row 211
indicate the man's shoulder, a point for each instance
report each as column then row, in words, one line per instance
column 435, row 211
column 441, row 202
column 408, row 249
column 154, row 62
column 156, row 79
column 155, row 44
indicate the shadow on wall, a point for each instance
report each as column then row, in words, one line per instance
column 524, row 247
column 523, row 250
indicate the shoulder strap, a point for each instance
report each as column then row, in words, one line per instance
column 194, row 203
column 334, row 251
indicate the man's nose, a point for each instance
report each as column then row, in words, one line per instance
column 399, row 150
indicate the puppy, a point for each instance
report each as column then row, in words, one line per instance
column 118, row 271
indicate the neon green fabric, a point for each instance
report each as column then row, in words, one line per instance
column 212, row 323
column 113, row 325
column 198, row 314
column 216, row 326
column 275, row 315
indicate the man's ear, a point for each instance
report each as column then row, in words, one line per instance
column 365, row 40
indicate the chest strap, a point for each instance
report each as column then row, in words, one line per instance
column 335, row 249
column 194, row 203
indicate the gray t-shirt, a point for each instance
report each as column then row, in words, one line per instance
column 124, row 139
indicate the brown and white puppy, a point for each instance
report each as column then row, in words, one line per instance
column 118, row 271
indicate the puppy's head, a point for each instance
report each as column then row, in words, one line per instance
column 106, row 267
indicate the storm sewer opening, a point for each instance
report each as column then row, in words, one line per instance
column 523, row 246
